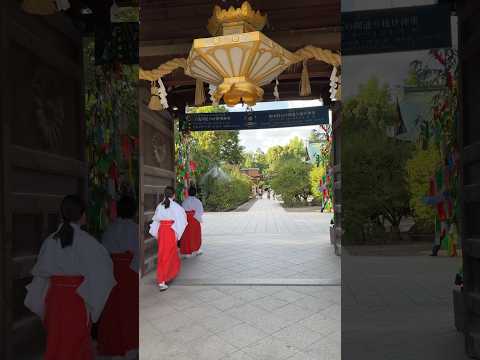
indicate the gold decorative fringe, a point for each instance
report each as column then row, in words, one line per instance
column 199, row 93
column 39, row 7
column 305, row 88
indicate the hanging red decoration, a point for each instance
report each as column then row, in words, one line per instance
column 104, row 148
column 450, row 80
column 127, row 147
column 113, row 210
column 136, row 141
column 114, row 173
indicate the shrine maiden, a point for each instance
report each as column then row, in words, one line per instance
column 72, row 279
column 169, row 223
column 192, row 237
column 118, row 326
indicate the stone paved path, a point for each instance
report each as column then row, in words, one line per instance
column 267, row 287
column 399, row 308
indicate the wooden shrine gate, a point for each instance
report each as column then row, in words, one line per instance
column 157, row 170
column 469, row 44
column 42, row 156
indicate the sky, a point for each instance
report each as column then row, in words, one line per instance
column 263, row 139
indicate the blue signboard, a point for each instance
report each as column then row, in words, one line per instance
column 396, row 29
column 256, row 119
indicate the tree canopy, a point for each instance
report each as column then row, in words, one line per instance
column 373, row 164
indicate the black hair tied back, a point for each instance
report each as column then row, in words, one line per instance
column 167, row 194
column 72, row 209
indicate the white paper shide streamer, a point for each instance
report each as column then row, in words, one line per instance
column 334, row 80
column 162, row 93
column 211, row 91
column 275, row 90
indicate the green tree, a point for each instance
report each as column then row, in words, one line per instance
column 420, row 168
column 255, row 159
column 374, row 186
column 217, row 146
column 291, row 180
column 316, row 173
column 315, row 136
column 296, row 148
column 274, row 154
column 248, row 159
column 226, row 193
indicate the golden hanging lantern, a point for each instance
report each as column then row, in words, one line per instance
column 238, row 59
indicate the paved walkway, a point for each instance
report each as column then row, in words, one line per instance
column 266, row 288
column 399, row 308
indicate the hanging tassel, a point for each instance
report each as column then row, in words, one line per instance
column 39, row 7
column 305, row 89
column 155, row 103
column 199, row 93
column 275, row 90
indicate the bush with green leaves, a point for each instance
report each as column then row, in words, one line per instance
column 420, row 168
column 222, row 194
column 291, row 179
column 316, row 174
column 374, row 186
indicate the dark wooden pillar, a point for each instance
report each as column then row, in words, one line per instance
column 469, row 135
column 4, row 334
column 42, row 159
column 337, row 186
column 157, row 170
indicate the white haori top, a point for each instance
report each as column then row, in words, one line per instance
column 193, row 203
column 85, row 257
column 174, row 212
column 121, row 236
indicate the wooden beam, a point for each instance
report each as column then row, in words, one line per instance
column 188, row 81
column 328, row 38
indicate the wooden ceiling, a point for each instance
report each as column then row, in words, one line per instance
column 168, row 27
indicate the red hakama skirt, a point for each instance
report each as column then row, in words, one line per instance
column 118, row 326
column 67, row 321
column 192, row 236
column 168, row 263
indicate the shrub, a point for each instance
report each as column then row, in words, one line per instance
column 227, row 193
column 419, row 170
column 315, row 175
column 291, row 180
column 374, row 186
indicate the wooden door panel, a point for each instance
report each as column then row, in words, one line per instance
column 157, row 170
column 44, row 119
column 469, row 129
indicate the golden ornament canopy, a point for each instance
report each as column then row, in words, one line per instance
column 239, row 59
column 224, row 21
